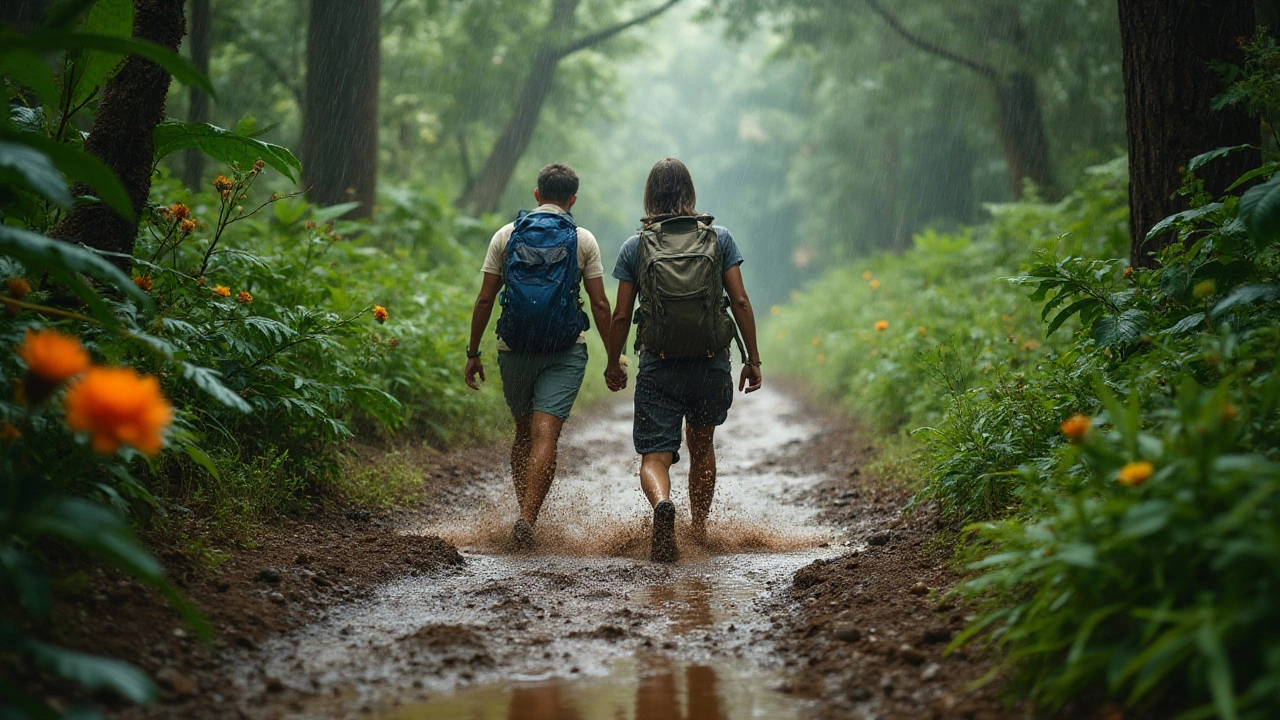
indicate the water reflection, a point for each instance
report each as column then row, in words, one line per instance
column 650, row 687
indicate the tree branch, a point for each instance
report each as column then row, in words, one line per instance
column 982, row 69
column 598, row 37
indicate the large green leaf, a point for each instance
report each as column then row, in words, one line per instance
column 1126, row 327
column 79, row 165
column 27, row 68
column 61, row 40
column 96, row 673
column 224, row 145
column 95, row 67
column 1246, row 295
column 1207, row 157
column 211, row 382
column 65, row 262
column 1182, row 217
column 1260, row 211
column 22, row 165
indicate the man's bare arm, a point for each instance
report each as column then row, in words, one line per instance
column 599, row 307
column 480, row 315
column 620, row 328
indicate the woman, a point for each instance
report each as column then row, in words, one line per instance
column 680, row 267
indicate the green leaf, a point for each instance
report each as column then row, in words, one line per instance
column 1127, row 327
column 1185, row 216
column 201, row 458
column 95, row 673
column 65, row 262
column 26, row 68
column 24, row 165
column 44, row 40
column 1203, row 158
column 223, row 145
column 211, row 382
column 1146, row 518
column 1246, row 295
column 81, row 166
column 1266, row 169
column 1260, row 211
column 1186, row 324
column 1066, row 314
column 1174, row 280
column 96, row 67
column 25, row 575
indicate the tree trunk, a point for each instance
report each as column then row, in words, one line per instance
column 339, row 145
column 1022, row 135
column 485, row 192
column 1168, row 49
column 131, row 107
column 201, row 32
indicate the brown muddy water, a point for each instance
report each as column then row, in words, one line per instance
column 586, row 627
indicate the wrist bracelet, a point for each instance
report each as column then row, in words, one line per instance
column 475, row 354
column 755, row 364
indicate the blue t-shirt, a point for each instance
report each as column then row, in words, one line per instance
column 626, row 271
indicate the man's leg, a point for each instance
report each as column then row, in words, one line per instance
column 702, row 476
column 544, row 435
column 520, row 448
column 655, row 476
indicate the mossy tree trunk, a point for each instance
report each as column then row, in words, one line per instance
column 201, row 41
column 132, row 105
column 1169, row 49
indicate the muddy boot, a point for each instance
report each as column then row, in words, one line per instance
column 664, row 532
column 522, row 533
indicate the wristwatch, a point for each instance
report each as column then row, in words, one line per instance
column 475, row 354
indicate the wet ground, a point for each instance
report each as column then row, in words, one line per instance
column 586, row 627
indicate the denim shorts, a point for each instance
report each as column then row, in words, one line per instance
column 546, row 383
column 671, row 392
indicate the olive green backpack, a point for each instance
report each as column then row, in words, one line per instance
column 683, row 309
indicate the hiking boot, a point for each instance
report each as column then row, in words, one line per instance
column 664, row 532
column 522, row 533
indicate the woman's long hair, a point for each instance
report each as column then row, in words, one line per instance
column 669, row 192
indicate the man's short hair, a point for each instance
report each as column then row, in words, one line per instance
column 557, row 182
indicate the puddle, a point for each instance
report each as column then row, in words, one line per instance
column 586, row 627
column 647, row 686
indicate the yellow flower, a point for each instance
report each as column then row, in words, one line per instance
column 223, row 290
column 922, row 331
column 143, row 282
column 1076, row 427
column 775, row 310
column 380, row 313
column 866, row 275
column 52, row 356
column 1135, row 473
column 117, row 406
column 882, row 325
column 1204, row 289
column 19, row 288
column 875, row 284
column 244, row 297
column 816, row 341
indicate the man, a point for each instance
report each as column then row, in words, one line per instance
column 681, row 268
column 537, row 262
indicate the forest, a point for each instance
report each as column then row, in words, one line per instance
column 1015, row 266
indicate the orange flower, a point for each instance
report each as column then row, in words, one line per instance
column 882, row 325
column 117, row 406
column 10, row 433
column 394, row 342
column 52, row 356
column 821, row 358
column 380, row 313
column 1076, row 427
column 188, row 226
column 1229, row 412
column 1135, row 473
column 143, row 282
column 875, row 284
column 222, row 184
column 1128, row 273
column 222, row 290
column 257, row 166
column 19, row 288
column 922, row 331
column 244, row 297
column 178, row 211
column 866, row 275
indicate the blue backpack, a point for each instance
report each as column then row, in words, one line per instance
column 541, row 308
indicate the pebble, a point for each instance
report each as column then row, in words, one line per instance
column 276, row 598
column 879, row 538
column 911, row 655
column 919, row 589
column 935, row 634
column 930, row 671
column 269, row 575
column 848, row 632
column 274, row 684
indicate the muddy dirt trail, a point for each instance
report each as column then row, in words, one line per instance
column 587, row 627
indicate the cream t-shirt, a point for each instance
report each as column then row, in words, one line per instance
column 588, row 255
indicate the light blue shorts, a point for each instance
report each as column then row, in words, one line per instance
column 545, row 383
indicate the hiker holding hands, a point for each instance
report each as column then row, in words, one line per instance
column 681, row 268
column 539, row 263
